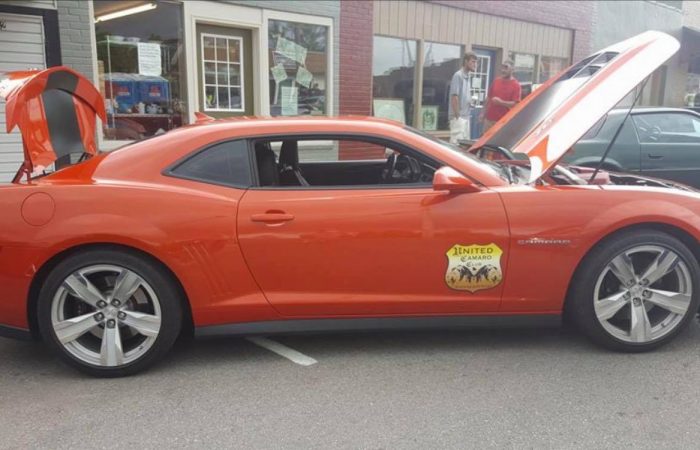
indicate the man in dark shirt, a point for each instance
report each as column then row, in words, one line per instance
column 503, row 94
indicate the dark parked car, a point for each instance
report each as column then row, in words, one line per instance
column 656, row 142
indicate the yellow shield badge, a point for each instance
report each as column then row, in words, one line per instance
column 474, row 267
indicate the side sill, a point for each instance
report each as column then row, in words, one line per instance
column 15, row 333
column 312, row 326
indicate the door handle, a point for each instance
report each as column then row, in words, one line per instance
column 272, row 217
column 653, row 156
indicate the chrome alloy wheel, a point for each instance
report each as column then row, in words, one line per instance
column 106, row 315
column 643, row 293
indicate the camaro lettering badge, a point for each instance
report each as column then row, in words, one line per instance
column 474, row 267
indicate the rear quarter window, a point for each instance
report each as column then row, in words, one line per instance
column 226, row 163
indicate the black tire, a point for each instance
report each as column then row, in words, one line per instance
column 580, row 306
column 169, row 299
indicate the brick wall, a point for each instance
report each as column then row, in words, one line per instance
column 356, row 70
column 74, row 31
column 574, row 15
column 355, row 57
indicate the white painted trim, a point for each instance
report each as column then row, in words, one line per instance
column 265, row 64
column 31, row 4
column 241, row 72
column 102, row 143
column 218, row 14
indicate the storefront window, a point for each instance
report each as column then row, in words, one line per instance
column 524, row 70
column 139, row 55
column 298, row 58
column 393, row 73
column 692, row 84
column 550, row 66
column 441, row 61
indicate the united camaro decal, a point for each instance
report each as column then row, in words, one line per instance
column 474, row 267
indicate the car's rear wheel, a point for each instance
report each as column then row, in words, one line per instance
column 636, row 291
column 109, row 313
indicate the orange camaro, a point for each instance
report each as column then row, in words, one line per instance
column 253, row 226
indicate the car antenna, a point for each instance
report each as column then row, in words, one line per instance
column 619, row 129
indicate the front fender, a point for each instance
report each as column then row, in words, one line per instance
column 554, row 227
column 638, row 212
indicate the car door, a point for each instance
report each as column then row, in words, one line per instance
column 670, row 145
column 375, row 249
column 624, row 155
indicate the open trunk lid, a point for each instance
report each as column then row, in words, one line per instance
column 55, row 110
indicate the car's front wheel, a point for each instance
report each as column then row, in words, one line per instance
column 636, row 291
column 109, row 313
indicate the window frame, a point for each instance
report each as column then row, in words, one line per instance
column 228, row 62
column 108, row 145
column 375, row 139
column 170, row 170
column 264, row 73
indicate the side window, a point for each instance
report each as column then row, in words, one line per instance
column 321, row 162
column 667, row 128
column 224, row 163
column 594, row 130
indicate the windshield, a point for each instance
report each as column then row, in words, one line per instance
column 493, row 166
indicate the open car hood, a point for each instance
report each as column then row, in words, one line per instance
column 547, row 123
column 55, row 110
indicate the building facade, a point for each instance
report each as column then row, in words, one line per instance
column 158, row 62
column 417, row 46
column 616, row 20
column 158, row 65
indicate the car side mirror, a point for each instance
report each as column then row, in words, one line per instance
column 448, row 179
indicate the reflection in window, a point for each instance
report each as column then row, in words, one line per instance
column 139, row 69
column 524, row 70
column 441, row 61
column 551, row 66
column 393, row 71
column 222, row 67
column 667, row 128
column 298, row 59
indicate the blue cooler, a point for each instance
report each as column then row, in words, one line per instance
column 154, row 90
column 123, row 88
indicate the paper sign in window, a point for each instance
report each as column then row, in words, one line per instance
column 289, row 100
column 279, row 73
column 149, row 59
column 304, row 77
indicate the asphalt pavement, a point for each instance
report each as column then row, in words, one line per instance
column 456, row 389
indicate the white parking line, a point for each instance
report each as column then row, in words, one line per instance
column 283, row 350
